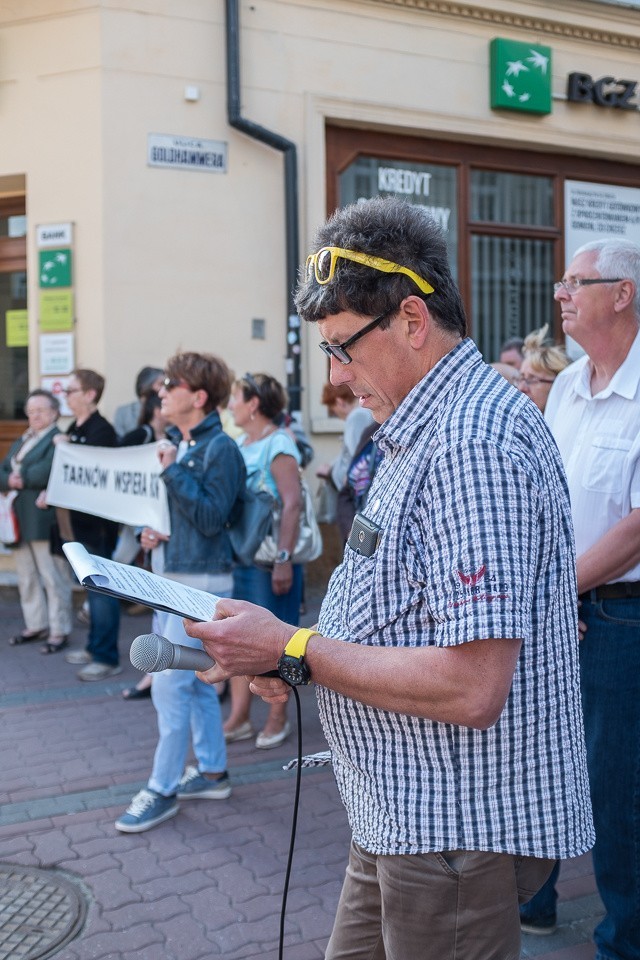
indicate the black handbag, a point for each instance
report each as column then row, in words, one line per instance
column 250, row 525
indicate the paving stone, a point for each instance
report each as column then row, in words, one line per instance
column 146, row 911
column 237, row 883
column 139, row 865
column 115, row 944
column 165, row 885
column 187, row 938
column 112, row 889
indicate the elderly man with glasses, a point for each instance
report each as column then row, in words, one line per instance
column 446, row 653
column 594, row 414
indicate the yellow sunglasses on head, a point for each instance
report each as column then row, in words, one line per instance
column 323, row 265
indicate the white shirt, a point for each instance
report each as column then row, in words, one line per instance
column 599, row 440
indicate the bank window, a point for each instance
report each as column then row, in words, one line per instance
column 514, row 198
column 433, row 186
column 511, row 289
column 512, row 260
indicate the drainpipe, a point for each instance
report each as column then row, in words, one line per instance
column 288, row 148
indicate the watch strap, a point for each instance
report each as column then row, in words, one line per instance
column 297, row 645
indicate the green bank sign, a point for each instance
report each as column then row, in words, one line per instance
column 520, row 76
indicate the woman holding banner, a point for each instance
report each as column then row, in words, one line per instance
column 100, row 659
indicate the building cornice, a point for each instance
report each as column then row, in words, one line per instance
column 521, row 21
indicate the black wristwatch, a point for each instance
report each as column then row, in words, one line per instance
column 282, row 556
column 291, row 665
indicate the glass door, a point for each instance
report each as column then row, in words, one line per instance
column 14, row 355
column 14, row 349
column 512, row 261
column 511, row 289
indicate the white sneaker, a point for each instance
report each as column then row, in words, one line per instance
column 98, row 671
column 146, row 810
column 78, row 656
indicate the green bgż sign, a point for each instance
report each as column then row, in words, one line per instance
column 520, row 76
column 55, row 268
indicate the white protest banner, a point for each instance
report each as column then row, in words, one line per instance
column 119, row 483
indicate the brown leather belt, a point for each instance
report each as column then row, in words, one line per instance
column 624, row 590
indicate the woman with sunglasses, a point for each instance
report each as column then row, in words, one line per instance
column 541, row 364
column 272, row 460
column 204, row 475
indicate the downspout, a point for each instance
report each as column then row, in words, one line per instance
column 288, row 148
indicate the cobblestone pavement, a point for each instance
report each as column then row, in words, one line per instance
column 208, row 882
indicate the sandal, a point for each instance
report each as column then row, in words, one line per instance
column 28, row 637
column 132, row 693
column 54, row 644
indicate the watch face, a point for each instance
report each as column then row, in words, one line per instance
column 293, row 671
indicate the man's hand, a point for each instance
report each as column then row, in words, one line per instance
column 271, row 689
column 582, row 627
column 242, row 638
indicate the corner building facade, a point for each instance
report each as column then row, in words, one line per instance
column 136, row 219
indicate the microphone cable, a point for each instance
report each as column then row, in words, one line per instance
column 294, row 824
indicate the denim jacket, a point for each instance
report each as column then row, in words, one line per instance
column 202, row 490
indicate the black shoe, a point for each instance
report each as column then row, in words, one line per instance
column 28, row 637
column 133, row 693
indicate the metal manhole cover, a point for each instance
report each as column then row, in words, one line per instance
column 40, row 911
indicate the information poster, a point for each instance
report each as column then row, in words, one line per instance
column 57, row 386
column 56, row 310
column 17, row 327
column 593, row 211
column 56, row 353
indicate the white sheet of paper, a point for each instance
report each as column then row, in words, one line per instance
column 139, row 586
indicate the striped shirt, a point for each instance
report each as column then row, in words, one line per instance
column 476, row 543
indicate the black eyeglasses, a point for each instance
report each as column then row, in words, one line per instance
column 339, row 350
column 572, row 285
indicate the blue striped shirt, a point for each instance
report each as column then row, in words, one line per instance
column 476, row 543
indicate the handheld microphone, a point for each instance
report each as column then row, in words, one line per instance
column 151, row 654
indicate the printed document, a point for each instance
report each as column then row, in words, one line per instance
column 139, row 586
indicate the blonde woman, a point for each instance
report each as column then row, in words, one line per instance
column 541, row 364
